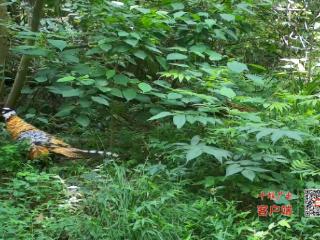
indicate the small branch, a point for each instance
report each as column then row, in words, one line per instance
column 25, row 61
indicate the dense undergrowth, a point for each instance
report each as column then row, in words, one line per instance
column 192, row 96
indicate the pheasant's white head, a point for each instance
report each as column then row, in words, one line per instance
column 7, row 113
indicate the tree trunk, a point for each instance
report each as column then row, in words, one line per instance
column 4, row 18
column 20, row 79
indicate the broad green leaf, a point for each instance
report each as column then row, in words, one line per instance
column 180, row 49
column 193, row 152
column 105, row 47
column 71, row 93
column 248, row 174
column 257, row 80
column 173, row 96
column 41, row 79
column 210, row 22
column 140, row 54
column 257, row 169
column 294, row 135
column 83, row 120
column 86, row 81
column 116, row 92
column 160, row 115
column 195, row 140
column 227, row 92
column 31, row 50
column 100, row 100
column 214, row 56
column 218, row 153
column 263, row 133
column 132, row 42
column 198, row 48
column 227, row 17
column 179, row 120
column 121, row 79
column 219, row 34
column 176, row 56
column 64, row 111
column 284, row 223
column 179, row 14
column 233, row 169
column 144, row 87
column 237, row 67
column 69, row 56
column 110, row 73
column 129, row 94
column 153, row 49
column 276, row 135
column 177, row 6
column 60, row 44
column 123, row 34
column 66, row 79
column 142, row 10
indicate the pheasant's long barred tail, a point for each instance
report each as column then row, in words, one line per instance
column 42, row 143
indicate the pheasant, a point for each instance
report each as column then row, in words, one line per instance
column 42, row 143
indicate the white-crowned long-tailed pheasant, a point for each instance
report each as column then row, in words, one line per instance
column 42, row 143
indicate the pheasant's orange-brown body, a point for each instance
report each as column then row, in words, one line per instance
column 42, row 143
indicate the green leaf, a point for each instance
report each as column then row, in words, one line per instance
column 132, row 42
column 179, row 120
column 210, row 22
column 121, row 79
column 195, row 140
column 100, row 100
column 263, row 133
column 174, row 96
column 284, row 223
column 257, row 169
column 227, row 92
column 177, row 6
column 69, row 56
column 110, row 73
column 129, row 94
column 176, row 56
column 64, row 111
column 71, row 93
column 105, row 47
column 248, row 174
column 144, row 87
column 214, row 56
column 194, row 152
column 116, row 92
column 233, row 169
column 257, row 80
column 227, row 17
column 140, row 54
column 60, row 44
column 66, row 79
column 237, row 67
column 199, row 49
column 31, row 50
column 218, row 153
column 83, row 120
column 160, row 115
column 179, row 14
column 294, row 135
column 123, row 34
column 41, row 79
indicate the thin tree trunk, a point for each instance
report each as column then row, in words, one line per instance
column 20, row 79
column 4, row 18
